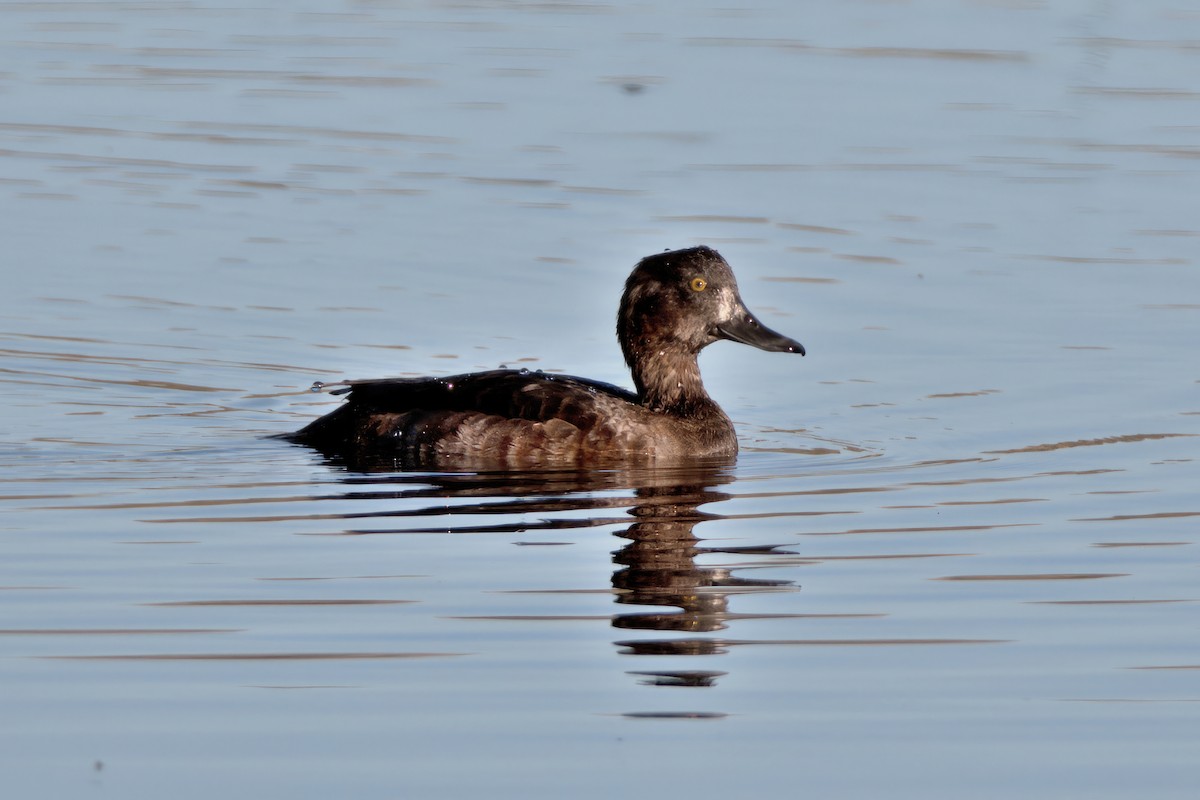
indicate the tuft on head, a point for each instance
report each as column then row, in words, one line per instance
column 658, row 308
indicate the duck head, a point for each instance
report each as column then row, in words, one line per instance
column 681, row 301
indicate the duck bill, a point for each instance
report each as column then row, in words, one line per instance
column 745, row 328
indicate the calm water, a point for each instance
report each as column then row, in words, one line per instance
column 957, row 557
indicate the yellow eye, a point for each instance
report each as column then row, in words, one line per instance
column 698, row 284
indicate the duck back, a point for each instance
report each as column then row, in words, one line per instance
column 500, row 418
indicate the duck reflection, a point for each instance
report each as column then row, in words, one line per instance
column 656, row 569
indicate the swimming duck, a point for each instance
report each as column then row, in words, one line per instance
column 674, row 305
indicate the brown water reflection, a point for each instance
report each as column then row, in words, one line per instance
column 664, row 580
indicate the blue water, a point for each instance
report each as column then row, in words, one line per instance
column 957, row 556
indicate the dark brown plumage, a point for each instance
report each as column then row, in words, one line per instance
column 674, row 304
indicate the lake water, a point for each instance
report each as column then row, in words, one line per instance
column 957, row 556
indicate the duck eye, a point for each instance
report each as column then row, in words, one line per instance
column 698, row 284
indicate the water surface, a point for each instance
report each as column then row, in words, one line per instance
column 957, row 555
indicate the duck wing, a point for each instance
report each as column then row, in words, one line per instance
column 509, row 393
column 510, row 417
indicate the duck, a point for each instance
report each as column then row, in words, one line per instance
column 674, row 304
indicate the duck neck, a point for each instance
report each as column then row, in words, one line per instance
column 669, row 381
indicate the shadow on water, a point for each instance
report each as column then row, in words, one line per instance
column 657, row 583
column 674, row 593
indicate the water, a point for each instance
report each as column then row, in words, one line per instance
column 956, row 556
